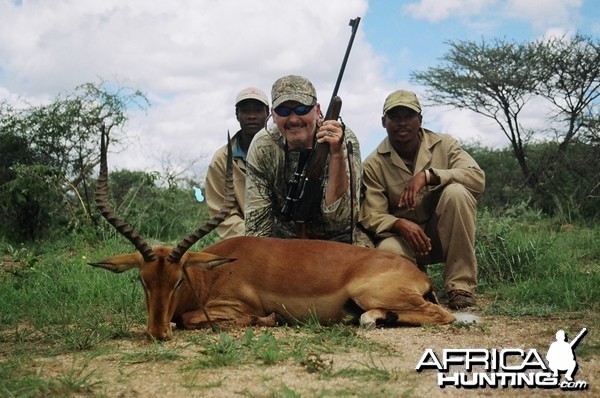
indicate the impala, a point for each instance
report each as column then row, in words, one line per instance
column 266, row 281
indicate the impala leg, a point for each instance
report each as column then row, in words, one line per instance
column 411, row 309
column 368, row 319
column 255, row 320
column 197, row 320
column 424, row 314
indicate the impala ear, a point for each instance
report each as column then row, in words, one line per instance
column 205, row 260
column 122, row 263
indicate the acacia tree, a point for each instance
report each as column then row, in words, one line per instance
column 60, row 151
column 572, row 85
column 498, row 79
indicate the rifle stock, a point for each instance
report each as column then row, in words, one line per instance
column 310, row 192
column 334, row 109
column 321, row 151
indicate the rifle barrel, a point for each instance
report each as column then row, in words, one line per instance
column 304, row 189
column 354, row 23
column 576, row 340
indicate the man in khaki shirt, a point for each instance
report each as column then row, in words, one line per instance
column 251, row 111
column 420, row 190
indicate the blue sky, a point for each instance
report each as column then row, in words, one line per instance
column 192, row 57
column 416, row 38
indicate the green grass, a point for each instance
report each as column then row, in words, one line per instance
column 15, row 381
column 539, row 263
column 533, row 266
column 307, row 345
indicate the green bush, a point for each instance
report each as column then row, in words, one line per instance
column 163, row 214
column 48, row 154
column 568, row 186
column 32, row 203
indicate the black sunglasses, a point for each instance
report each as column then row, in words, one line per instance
column 299, row 110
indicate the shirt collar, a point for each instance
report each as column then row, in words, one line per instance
column 237, row 151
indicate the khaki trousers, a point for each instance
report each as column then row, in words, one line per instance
column 452, row 232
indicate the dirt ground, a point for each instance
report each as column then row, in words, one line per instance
column 291, row 379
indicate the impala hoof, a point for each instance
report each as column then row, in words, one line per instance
column 367, row 322
column 466, row 317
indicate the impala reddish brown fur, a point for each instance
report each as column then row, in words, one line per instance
column 265, row 281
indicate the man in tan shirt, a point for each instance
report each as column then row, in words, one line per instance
column 251, row 111
column 420, row 190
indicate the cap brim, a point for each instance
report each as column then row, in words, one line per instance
column 405, row 105
column 301, row 98
column 252, row 97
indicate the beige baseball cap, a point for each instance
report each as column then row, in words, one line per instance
column 293, row 88
column 252, row 93
column 402, row 98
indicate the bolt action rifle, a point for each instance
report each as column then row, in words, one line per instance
column 304, row 192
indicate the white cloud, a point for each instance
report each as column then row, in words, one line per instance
column 560, row 15
column 544, row 13
column 466, row 126
column 436, row 10
column 189, row 57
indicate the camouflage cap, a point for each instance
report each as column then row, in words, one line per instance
column 402, row 98
column 252, row 93
column 293, row 88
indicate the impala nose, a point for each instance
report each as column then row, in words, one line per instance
column 161, row 334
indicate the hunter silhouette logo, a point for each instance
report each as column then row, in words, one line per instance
column 561, row 354
column 510, row 367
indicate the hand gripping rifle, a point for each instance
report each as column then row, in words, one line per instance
column 304, row 191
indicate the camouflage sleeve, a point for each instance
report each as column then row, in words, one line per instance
column 258, row 210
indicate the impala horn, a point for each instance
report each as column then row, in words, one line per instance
column 106, row 210
column 211, row 224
